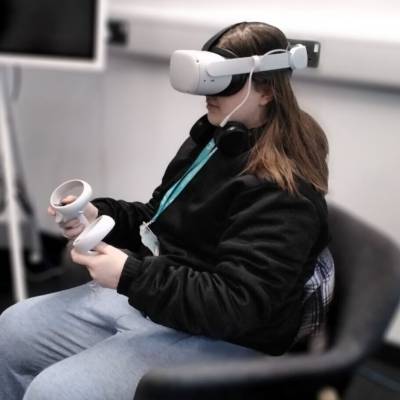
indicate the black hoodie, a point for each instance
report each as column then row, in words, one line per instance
column 235, row 252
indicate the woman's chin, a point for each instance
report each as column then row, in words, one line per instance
column 213, row 119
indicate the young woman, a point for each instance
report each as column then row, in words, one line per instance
column 212, row 267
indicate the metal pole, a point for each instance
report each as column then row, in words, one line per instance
column 11, row 197
column 13, row 92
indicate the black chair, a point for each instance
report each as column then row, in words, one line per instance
column 367, row 291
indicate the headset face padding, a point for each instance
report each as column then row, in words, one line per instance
column 238, row 81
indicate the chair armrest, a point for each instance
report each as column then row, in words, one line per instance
column 281, row 376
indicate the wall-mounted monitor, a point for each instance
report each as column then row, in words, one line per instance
column 53, row 33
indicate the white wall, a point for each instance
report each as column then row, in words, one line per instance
column 119, row 129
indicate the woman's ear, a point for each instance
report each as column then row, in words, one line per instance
column 265, row 97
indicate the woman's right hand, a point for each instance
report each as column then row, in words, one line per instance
column 74, row 227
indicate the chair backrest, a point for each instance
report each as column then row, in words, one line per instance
column 367, row 284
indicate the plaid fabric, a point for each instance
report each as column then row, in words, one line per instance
column 318, row 293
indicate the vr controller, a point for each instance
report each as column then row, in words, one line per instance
column 94, row 232
column 208, row 73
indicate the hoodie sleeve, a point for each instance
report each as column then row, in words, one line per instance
column 128, row 217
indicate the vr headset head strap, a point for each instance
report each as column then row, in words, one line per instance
column 211, row 43
column 237, row 81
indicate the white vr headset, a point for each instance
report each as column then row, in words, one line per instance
column 207, row 73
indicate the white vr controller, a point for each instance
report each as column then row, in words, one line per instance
column 66, row 211
column 94, row 232
column 207, row 73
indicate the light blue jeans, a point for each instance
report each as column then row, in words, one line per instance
column 89, row 343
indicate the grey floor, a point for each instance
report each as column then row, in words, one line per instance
column 377, row 379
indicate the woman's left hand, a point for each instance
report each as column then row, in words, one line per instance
column 105, row 267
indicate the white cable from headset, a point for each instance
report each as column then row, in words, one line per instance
column 226, row 119
column 256, row 62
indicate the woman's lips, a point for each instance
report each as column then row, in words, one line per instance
column 211, row 106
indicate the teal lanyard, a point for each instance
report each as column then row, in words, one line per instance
column 177, row 188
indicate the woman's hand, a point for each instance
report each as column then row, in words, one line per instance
column 74, row 227
column 105, row 267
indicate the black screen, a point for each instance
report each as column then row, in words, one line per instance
column 48, row 28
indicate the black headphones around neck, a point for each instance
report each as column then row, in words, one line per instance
column 233, row 139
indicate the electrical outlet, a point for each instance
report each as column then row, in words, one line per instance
column 118, row 32
column 313, row 50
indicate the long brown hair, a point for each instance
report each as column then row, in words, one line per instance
column 292, row 145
